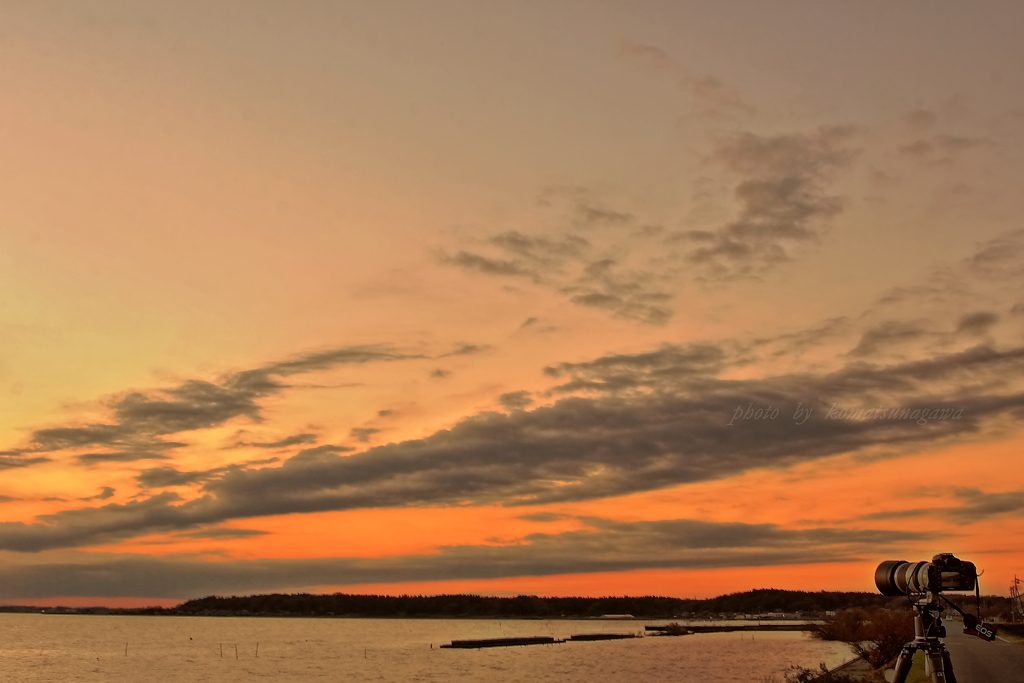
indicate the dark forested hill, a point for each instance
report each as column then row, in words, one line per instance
column 751, row 602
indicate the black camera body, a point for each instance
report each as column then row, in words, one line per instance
column 945, row 572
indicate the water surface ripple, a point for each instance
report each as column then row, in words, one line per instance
column 91, row 649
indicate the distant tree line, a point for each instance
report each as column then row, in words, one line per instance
column 530, row 606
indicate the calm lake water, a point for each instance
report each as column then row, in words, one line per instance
column 83, row 648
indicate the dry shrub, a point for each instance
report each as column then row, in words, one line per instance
column 875, row 634
column 799, row 674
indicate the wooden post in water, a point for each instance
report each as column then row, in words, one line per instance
column 222, row 650
column 257, row 649
column 236, row 650
column 126, row 648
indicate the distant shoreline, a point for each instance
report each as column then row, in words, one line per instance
column 761, row 604
column 114, row 612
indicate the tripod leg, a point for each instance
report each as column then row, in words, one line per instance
column 903, row 664
column 939, row 666
column 948, row 663
column 934, row 668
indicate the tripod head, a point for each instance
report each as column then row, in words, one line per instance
column 928, row 619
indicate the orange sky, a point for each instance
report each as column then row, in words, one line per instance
column 404, row 299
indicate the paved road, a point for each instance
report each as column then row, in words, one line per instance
column 977, row 661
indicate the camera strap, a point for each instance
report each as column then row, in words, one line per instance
column 973, row 626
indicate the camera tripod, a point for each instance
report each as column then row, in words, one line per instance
column 928, row 629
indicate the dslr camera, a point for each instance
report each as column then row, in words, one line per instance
column 945, row 572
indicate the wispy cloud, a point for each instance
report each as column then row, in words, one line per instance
column 975, row 506
column 943, row 149
column 515, row 400
column 363, row 433
column 105, row 493
column 714, row 98
column 781, row 197
column 466, row 350
column 294, row 440
column 141, row 419
column 13, row 459
column 612, row 260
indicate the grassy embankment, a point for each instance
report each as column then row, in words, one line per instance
column 1012, row 632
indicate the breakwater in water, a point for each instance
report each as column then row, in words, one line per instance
column 536, row 640
column 729, row 628
column 673, row 629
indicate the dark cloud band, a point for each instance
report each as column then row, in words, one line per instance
column 653, row 421
column 605, row 546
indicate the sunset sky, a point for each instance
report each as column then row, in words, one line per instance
column 459, row 296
